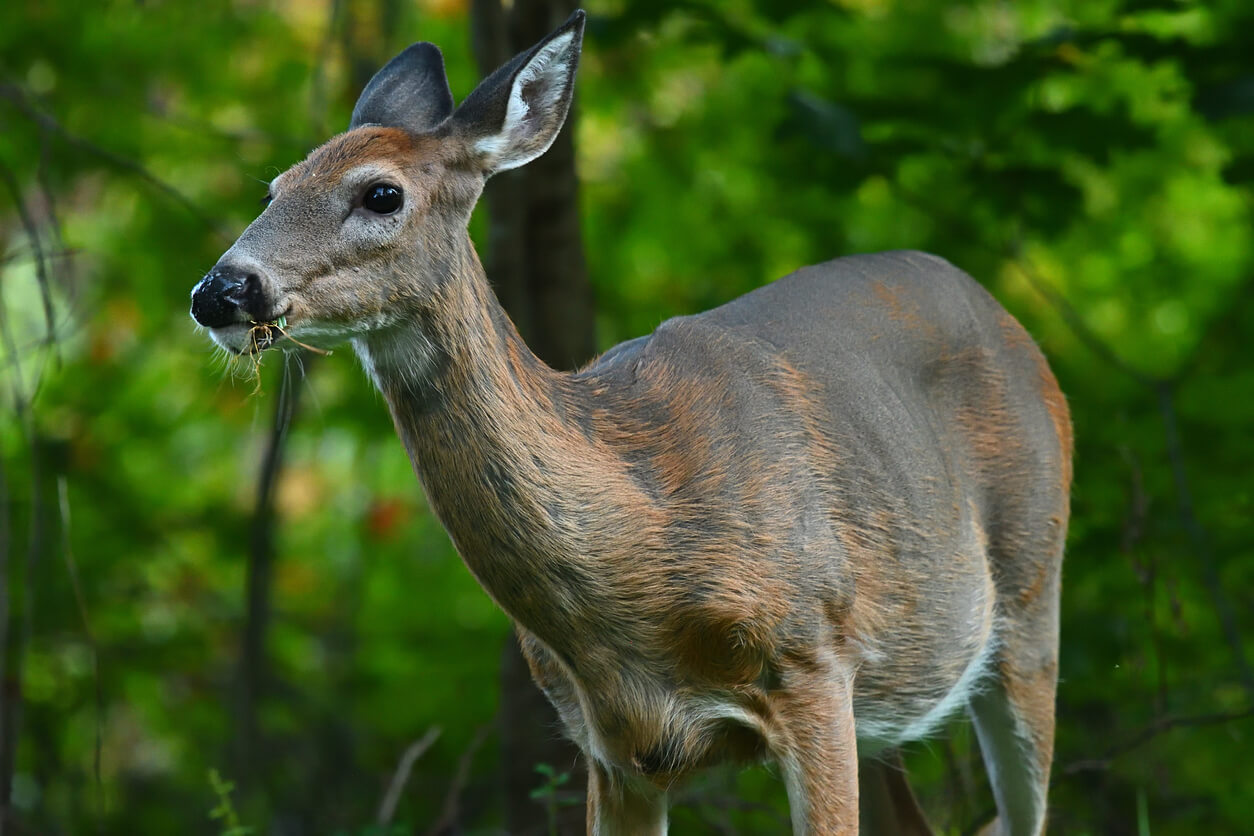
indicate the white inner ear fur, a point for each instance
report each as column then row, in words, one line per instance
column 510, row 148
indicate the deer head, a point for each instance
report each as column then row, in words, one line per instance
column 366, row 232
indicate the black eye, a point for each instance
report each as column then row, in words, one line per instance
column 265, row 201
column 382, row 199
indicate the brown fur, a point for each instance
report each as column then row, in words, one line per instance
column 330, row 162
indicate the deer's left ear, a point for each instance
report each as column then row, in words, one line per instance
column 514, row 115
column 410, row 92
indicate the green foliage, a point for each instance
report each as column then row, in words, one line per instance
column 225, row 813
column 1091, row 162
column 548, row 793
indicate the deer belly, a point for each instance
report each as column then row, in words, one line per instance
column 887, row 718
column 912, row 683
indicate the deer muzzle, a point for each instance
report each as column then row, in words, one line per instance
column 229, row 295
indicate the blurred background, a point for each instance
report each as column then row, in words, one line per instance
column 225, row 606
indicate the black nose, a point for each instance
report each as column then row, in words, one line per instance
column 224, row 293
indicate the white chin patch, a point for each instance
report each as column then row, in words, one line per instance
column 234, row 338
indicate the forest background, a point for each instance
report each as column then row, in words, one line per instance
column 225, row 605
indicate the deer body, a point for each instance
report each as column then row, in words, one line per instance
column 808, row 525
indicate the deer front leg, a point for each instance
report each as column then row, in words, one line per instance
column 816, row 748
column 619, row 808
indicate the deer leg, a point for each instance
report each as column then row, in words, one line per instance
column 886, row 804
column 816, row 747
column 621, row 808
column 1013, row 714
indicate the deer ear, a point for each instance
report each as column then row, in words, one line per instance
column 514, row 115
column 411, row 92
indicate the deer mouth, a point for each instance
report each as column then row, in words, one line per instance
column 251, row 337
column 263, row 335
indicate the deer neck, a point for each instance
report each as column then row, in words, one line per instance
column 497, row 439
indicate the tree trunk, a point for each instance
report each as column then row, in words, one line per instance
column 535, row 260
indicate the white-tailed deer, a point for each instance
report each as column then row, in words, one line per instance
column 808, row 525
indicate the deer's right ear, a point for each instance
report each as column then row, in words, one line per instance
column 514, row 115
column 411, row 92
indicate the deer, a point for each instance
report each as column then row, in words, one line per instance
column 808, row 526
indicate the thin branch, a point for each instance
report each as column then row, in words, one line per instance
column 1146, row 570
column 387, row 808
column 71, row 567
column 34, row 550
column 1197, row 535
column 15, row 254
column 1138, row 503
column 1160, row 726
column 11, row 701
column 1164, row 391
column 5, row 593
column 1076, row 322
column 12, row 352
column 452, row 799
column 260, row 580
column 59, row 333
column 46, row 189
column 47, row 122
column 36, row 244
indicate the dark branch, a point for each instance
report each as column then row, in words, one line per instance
column 36, row 245
column 1197, row 536
column 47, row 122
column 261, row 553
column 452, row 799
column 387, row 807
column 71, row 568
column 1160, row 726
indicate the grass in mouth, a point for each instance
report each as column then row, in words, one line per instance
column 261, row 336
